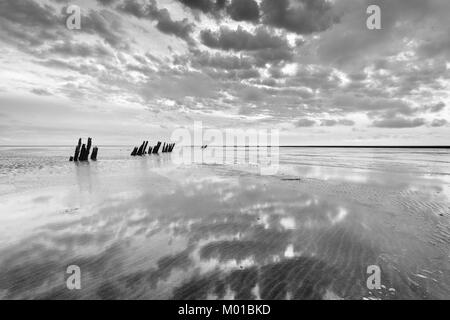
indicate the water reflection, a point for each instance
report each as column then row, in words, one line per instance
column 154, row 230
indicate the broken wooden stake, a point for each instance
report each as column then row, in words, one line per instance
column 94, row 154
column 82, row 151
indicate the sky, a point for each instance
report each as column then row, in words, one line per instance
column 141, row 69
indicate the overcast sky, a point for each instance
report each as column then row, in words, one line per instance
column 310, row 68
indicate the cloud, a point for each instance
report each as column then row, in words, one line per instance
column 41, row 92
column 28, row 13
column 221, row 61
column 244, row 10
column 75, row 49
column 439, row 122
column 206, row 6
column 374, row 106
column 264, row 45
column 181, row 29
column 299, row 16
column 165, row 24
column 334, row 122
column 305, row 123
column 435, row 107
column 399, row 123
column 106, row 2
column 104, row 24
column 346, row 122
column 26, row 24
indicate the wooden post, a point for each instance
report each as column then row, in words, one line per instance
column 144, row 151
column 77, row 150
column 139, row 153
column 83, row 152
column 94, row 154
column 156, row 148
column 88, row 149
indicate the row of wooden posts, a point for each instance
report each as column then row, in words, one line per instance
column 82, row 151
column 142, row 150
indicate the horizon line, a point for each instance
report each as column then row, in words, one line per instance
column 254, row 146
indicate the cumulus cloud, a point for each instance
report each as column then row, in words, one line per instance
column 244, row 10
column 41, row 92
column 439, row 122
column 399, row 123
column 334, row 122
column 206, row 6
column 265, row 45
column 28, row 13
column 305, row 123
column 299, row 16
column 165, row 24
column 435, row 107
column 299, row 62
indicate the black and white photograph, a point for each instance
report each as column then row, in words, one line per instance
column 224, row 150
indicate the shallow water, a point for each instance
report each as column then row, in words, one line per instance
column 157, row 228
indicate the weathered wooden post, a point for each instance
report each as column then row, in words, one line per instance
column 141, row 149
column 156, row 148
column 83, row 152
column 77, row 150
column 88, row 149
column 94, row 154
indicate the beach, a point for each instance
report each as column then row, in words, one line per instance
column 154, row 228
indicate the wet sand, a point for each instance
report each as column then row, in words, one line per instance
column 149, row 228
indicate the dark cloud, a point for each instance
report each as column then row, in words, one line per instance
column 106, row 25
column 439, row 122
column 333, row 122
column 265, row 45
column 28, row 13
column 299, row 16
column 374, row 106
column 440, row 45
column 41, row 92
column 399, row 123
column 350, row 44
column 206, row 6
column 337, row 122
column 305, row 123
column 328, row 123
column 243, row 10
column 346, row 122
column 435, row 107
column 165, row 24
column 106, row 2
column 181, row 29
column 27, row 24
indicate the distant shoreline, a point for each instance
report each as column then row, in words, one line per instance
column 284, row 146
